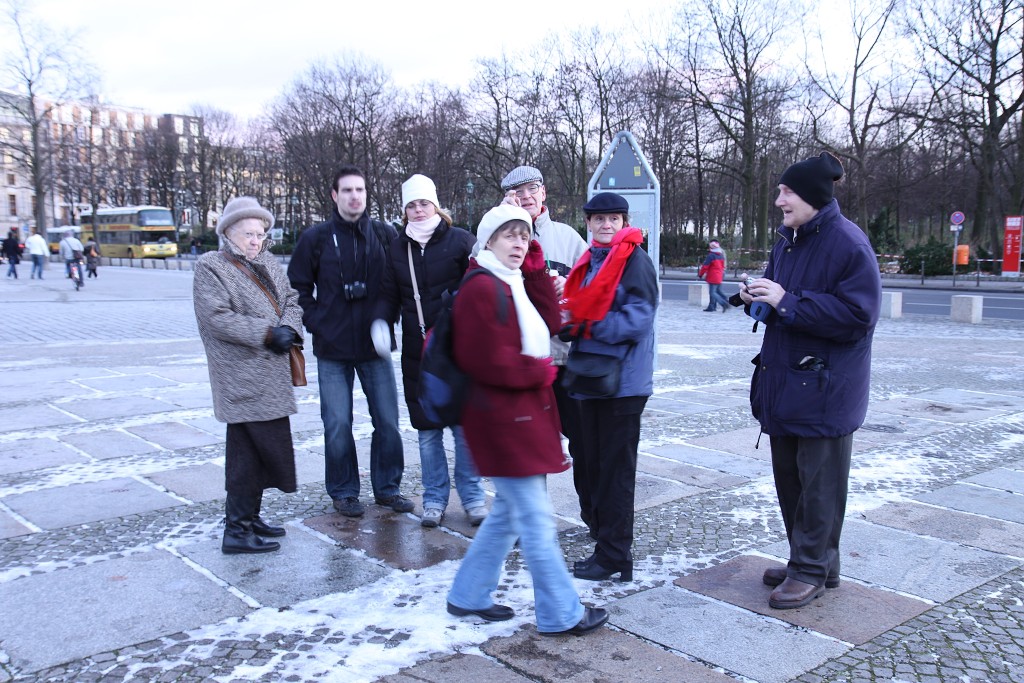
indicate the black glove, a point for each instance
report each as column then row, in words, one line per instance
column 570, row 332
column 280, row 339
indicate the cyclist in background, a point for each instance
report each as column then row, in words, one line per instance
column 71, row 251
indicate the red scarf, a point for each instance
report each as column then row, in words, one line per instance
column 593, row 301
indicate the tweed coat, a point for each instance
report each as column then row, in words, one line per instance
column 250, row 383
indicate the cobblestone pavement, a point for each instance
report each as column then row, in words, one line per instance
column 111, row 477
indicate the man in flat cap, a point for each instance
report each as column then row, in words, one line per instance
column 563, row 247
column 810, row 385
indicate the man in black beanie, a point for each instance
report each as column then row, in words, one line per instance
column 810, row 385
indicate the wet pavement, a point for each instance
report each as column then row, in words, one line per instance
column 111, row 501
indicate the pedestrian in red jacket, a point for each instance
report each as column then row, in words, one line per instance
column 712, row 270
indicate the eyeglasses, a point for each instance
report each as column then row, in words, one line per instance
column 528, row 190
column 259, row 236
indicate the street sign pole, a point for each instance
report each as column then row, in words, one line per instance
column 956, row 243
column 956, row 223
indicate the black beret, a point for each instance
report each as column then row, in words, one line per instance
column 814, row 179
column 606, row 202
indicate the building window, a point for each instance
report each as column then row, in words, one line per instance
column 179, row 125
column 10, row 179
column 12, row 205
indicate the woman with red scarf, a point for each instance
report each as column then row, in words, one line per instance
column 611, row 299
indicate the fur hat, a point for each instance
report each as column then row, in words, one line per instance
column 814, row 179
column 520, row 176
column 497, row 217
column 606, row 202
column 419, row 187
column 240, row 208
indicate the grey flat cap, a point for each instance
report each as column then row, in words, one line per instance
column 520, row 176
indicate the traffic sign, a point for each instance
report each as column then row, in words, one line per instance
column 957, row 218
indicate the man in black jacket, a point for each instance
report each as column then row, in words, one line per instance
column 337, row 268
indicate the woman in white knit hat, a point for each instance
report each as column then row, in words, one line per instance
column 502, row 340
column 249, row 318
column 436, row 254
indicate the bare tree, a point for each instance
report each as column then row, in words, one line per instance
column 506, row 116
column 972, row 54
column 725, row 51
column 865, row 97
column 43, row 69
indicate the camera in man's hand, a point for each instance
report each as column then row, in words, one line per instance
column 355, row 290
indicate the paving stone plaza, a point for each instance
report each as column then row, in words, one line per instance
column 111, row 506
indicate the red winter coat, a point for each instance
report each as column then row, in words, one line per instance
column 510, row 419
column 713, row 267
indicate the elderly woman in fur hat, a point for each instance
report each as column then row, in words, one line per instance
column 249, row 318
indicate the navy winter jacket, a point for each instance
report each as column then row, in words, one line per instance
column 340, row 326
column 813, row 374
column 627, row 330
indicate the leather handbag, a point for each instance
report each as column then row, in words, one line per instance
column 295, row 358
column 298, row 363
column 592, row 375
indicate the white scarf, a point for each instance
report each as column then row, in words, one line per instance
column 422, row 231
column 535, row 337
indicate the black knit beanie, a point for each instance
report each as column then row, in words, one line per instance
column 813, row 179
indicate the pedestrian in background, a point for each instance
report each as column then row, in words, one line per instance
column 611, row 298
column 92, row 257
column 713, row 270
column 249, row 318
column 338, row 268
column 12, row 250
column 435, row 255
column 502, row 340
column 38, row 249
column 811, row 379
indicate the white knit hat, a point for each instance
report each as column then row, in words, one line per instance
column 419, row 187
column 240, row 208
column 497, row 217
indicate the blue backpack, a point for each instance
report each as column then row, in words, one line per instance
column 443, row 385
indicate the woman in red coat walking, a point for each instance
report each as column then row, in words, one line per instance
column 502, row 339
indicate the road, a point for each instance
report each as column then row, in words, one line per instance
column 1000, row 306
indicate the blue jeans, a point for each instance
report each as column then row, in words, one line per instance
column 520, row 510
column 434, row 464
column 12, row 268
column 715, row 292
column 387, row 458
column 37, row 265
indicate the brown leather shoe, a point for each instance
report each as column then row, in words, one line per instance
column 773, row 576
column 792, row 594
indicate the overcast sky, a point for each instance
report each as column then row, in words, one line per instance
column 165, row 57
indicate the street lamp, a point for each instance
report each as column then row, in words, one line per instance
column 469, row 202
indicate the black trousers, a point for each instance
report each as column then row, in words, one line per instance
column 610, row 435
column 258, row 456
column 569, row 414
column 811, row 480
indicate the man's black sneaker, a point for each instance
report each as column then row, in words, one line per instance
column 397, row 502
column 350, row 507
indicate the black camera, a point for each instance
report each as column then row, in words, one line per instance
column 355, row 290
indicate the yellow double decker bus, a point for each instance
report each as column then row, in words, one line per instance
column 133, row 231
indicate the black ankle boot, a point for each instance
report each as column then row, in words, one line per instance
column 260, row 527
column 595, row 572
column 238, row 533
